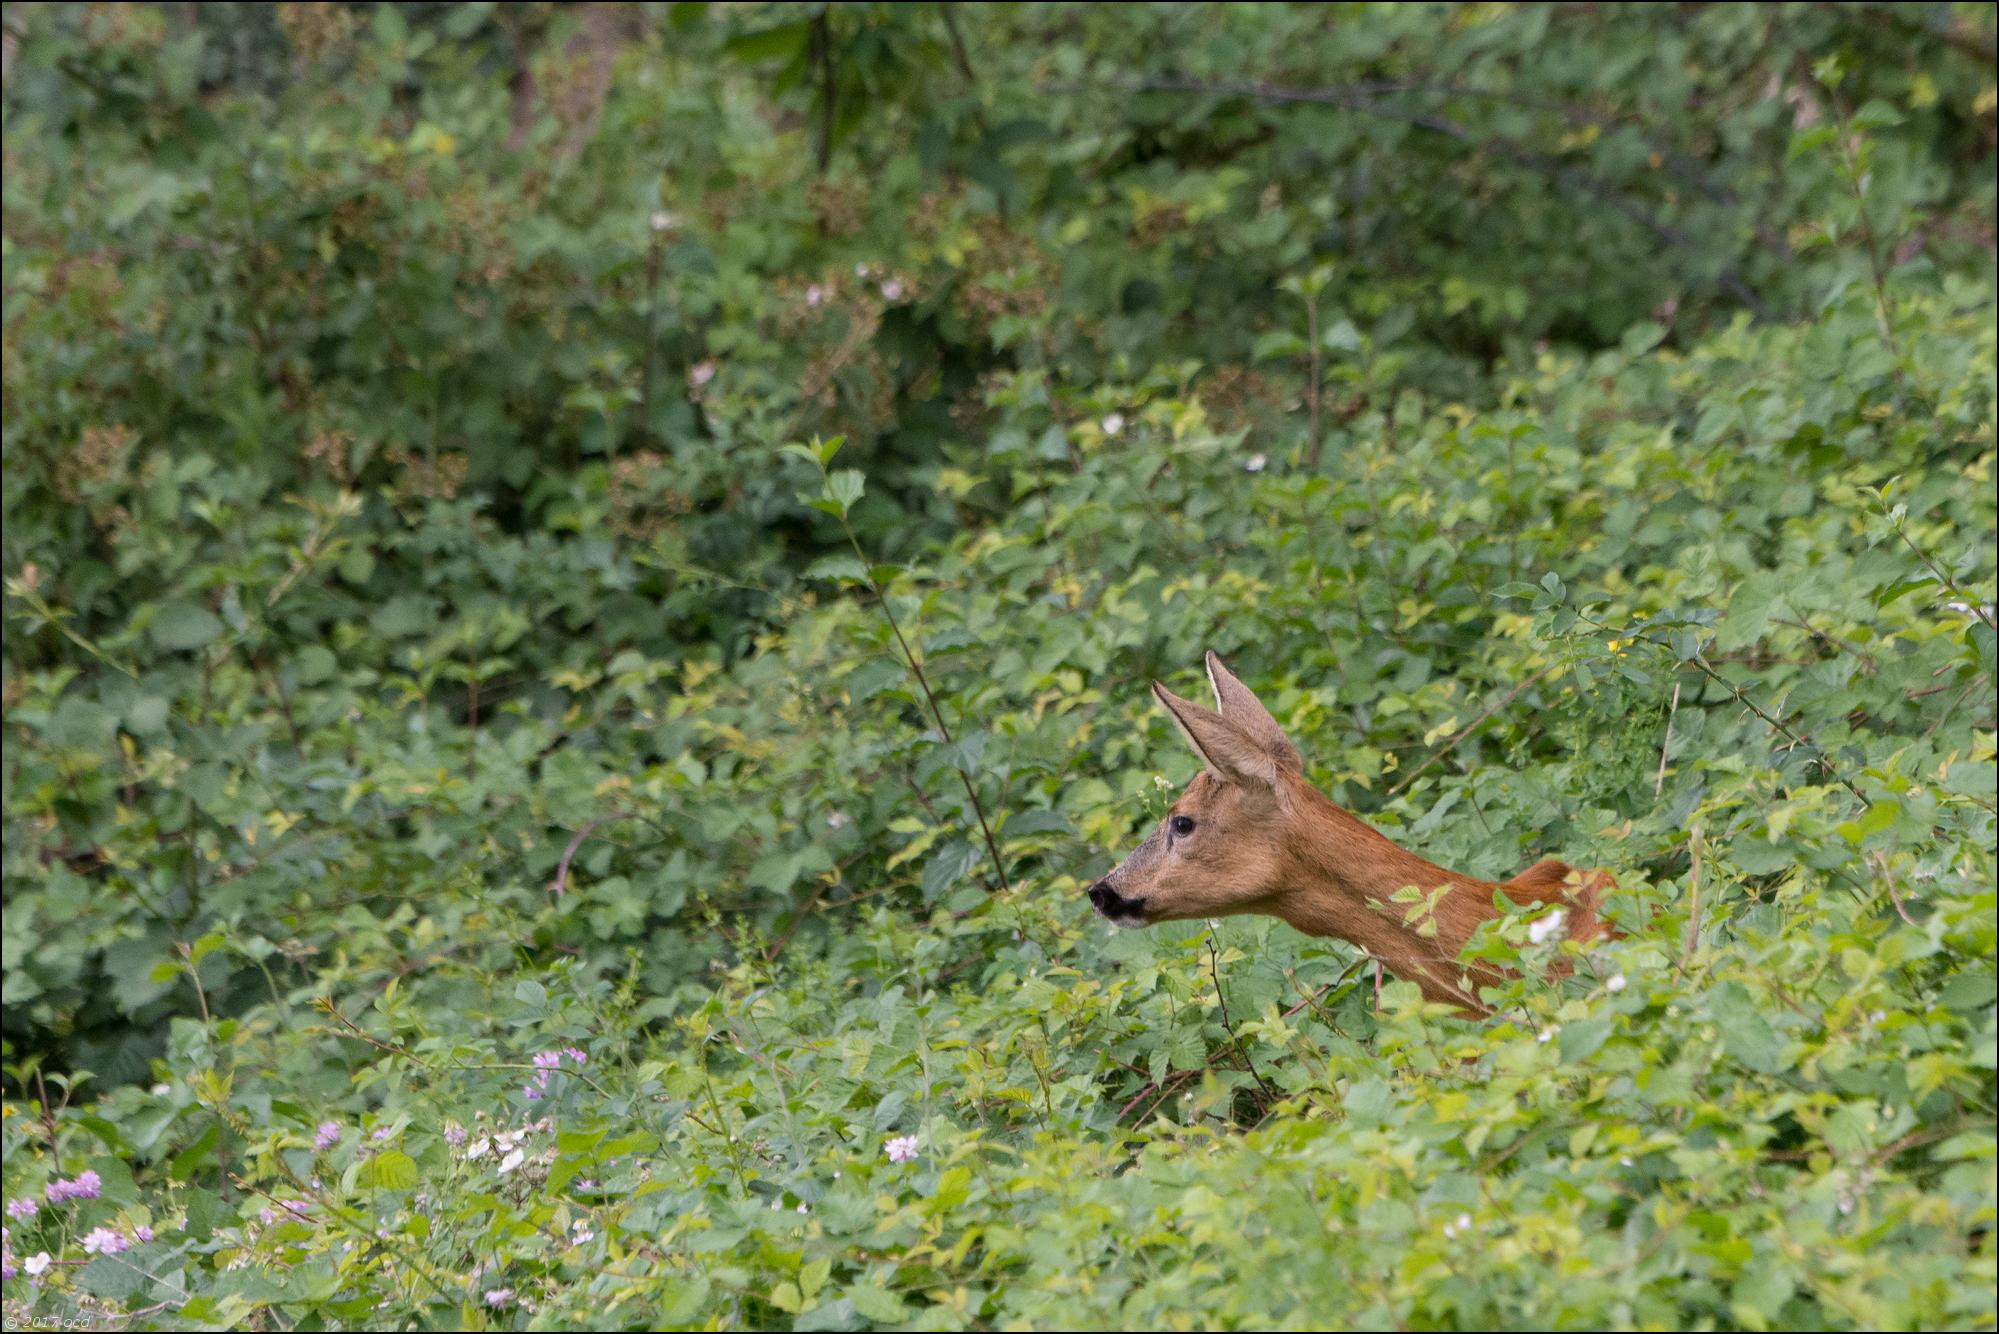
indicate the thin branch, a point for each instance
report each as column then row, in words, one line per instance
column 1777, row 725
column 561, row 881
column 1693, row 900
column 958, row 44
column 1888, row 878
column 1977, row 609
column 936, row 712
column 1473, row 726
column 1215, row 971
column 1659, row 784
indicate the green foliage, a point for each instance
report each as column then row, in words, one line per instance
column 500, row 829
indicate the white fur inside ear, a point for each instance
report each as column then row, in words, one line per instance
column 1214, row 683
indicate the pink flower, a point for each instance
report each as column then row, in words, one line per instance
column 498, row 1297
column 454, row 1134
column 142, row 1232
column 327, row 1135
column 104, row 1241
column 577, row 1054
column 902, row 1149
column 382, row 1133
column 84, row 1187
column 22, row 1208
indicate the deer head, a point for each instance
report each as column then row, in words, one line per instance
column 1220, row 848
column 1251, row 835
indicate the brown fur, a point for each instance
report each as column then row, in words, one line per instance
column 1266, row 841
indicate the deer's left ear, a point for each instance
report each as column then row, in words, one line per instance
column 1239, row 705
column 1230, row 753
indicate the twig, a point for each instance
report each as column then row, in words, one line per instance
column 1215, row 971
column 958, row 44
column 1659, row 784
column 936, row 712
column 1693, row 900
column 556, row 886
column 1854, row 179
column 194, row 976
column 1776, row 725
column 822, row 58
column 1880, row 861
column 1976, row 608
column 1312, row 389
column 1473, row 726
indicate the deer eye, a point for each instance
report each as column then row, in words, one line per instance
column 1182, row 826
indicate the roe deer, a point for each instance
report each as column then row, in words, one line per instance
column 1250, row 835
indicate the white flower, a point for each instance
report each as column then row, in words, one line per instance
column 513, row 1160
column 1462, row 1223
column 1256, row 463
column 478, row 1148
column 1548, row 1034
column 662, row 221
column 801, row 1207
column 892, row 289
column 161, row 1090
column 37, row 1264
column 861, row 270
column 1113, row 423
column 901, row 1150
column 837, row 820
column 814, row 295
column 1547, row 925
column 497, row 1297
column 701, row 372
column 1616, row 984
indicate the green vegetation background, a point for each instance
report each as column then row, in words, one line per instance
column 423, row 654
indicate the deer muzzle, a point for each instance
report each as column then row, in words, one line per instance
column 1115, row 907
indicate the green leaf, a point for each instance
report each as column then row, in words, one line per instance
column 844, row 487
column 1582, row 1037
column 184, row 626
column 783, row 41
column 1278, row 343
column 876, row 1304
column 390, row 1169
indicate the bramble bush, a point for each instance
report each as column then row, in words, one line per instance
column 480, row 482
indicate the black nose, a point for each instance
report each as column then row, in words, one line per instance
column 1113, row 904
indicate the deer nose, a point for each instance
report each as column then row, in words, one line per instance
column 1113, row 904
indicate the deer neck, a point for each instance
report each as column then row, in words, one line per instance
column 1341, row 879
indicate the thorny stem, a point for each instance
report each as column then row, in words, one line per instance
column 1977, row 608
column 1215, row 971
column 916, row 670
column 1853, row 178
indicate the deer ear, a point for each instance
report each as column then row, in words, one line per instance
column 1229, row 752
column 1239, row 705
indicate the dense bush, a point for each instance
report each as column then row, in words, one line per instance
column 476, row 850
